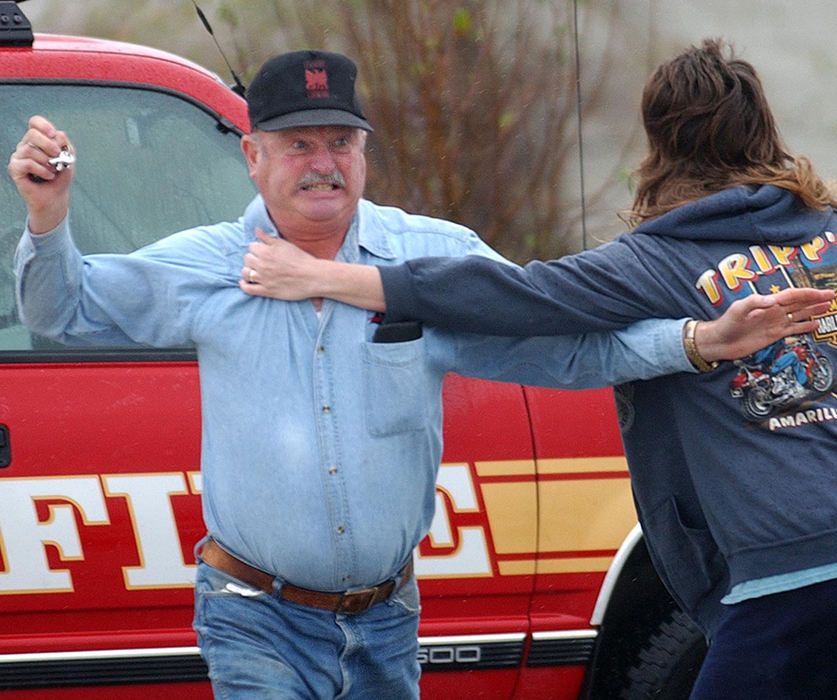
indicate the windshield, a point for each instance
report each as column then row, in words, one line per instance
column 150, row 163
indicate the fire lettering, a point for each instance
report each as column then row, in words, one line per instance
column 157, row 540
column 451, row 550
column 471, row 557
column 23, row 537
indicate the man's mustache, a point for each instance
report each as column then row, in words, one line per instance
column 334, row 178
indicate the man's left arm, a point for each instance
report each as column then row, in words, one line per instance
column 644, row 350
column 648, row 348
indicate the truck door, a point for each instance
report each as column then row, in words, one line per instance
column 99, row 447
column 477, row 566
column 585, row 513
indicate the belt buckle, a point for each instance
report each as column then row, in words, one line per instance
column 359, row 601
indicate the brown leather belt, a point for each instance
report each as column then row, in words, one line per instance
column 350, row 602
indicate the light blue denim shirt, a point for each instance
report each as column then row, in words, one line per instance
column 320, row 448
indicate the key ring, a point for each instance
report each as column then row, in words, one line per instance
column 65, row 159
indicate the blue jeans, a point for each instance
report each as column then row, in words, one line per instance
column 260, row 646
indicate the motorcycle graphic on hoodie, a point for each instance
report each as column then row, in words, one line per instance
column 788, row 372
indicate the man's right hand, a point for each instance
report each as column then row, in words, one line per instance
column 44, row 189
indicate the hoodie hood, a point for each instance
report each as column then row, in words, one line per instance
column 757, row 214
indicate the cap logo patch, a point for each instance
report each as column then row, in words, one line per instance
column 316, row 79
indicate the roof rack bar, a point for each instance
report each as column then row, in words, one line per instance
column 15, row 28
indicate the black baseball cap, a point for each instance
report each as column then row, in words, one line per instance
column 305, row 88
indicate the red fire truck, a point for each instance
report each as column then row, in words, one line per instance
column 534, row 577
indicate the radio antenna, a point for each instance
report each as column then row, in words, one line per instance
column 579, row 119
column 239, row 86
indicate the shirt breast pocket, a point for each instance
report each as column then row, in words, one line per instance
column 394, row 382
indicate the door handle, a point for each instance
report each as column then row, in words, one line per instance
column 5, row 447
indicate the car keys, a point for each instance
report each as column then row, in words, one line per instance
column 63, row 160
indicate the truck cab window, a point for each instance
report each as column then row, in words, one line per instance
column 150, row 163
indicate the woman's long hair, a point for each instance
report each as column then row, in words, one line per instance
column 709, row 127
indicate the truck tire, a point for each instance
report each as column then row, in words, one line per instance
column 668, row 663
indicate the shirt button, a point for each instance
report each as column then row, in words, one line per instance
column 341, row 530
column 332, row 469
column 320, row 349
column 326, row 409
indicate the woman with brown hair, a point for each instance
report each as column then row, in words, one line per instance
column 733, row 468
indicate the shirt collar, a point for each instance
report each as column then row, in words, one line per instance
column 256, row 216
column 362, row 232
column 374, row 239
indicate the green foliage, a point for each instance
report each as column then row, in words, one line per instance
column 461, row 21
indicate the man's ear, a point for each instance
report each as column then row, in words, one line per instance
column 250, row 149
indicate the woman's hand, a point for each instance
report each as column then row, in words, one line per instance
column 278, row 269
column 758, row 320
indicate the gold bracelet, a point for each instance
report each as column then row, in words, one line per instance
column 691, row 348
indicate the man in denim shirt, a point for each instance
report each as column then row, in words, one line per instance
column 321, row 441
